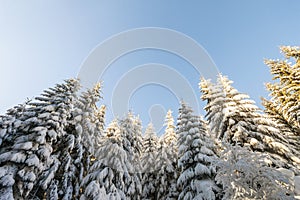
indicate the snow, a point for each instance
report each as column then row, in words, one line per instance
column 33, row 160
column 297, row 185
column 2, row 132
column 59, row 147
column 23, row 146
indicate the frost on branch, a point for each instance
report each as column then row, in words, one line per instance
column 246, row 175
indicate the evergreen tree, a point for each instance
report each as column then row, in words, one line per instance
column 132, row 143
column 148, row 162
column 195, row 158
column 132, row 133
column 166, row 163
column 111, row 168
column 170, row 136
column 284, row 106
column 114, row 169
column 285, row 93
column 78, row 148
column 287, row 131
column 99, row 119
column 242, row 123
column 30, row 162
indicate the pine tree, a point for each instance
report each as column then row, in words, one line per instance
column 115, row 167
column 132, row 143
column 166, row 162
column 285, row 93
column 78, row 146
column 99, row 119
column 286, row 130
column 132, row 133
column 29, row 163
column 148, row 162
column 195, row 158
column 216, row 101
column 170, row 136
column 242, row 123
column 284, row 106
column 111, row 168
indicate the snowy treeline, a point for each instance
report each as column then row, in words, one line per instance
column 57, row 146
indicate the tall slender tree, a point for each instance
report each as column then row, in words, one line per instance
column 166, row 163
column 132, row 143
column 79, row 146
column 284, row 107
column 149, row 169
column 195, row 158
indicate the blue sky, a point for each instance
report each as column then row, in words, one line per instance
column 44, row 42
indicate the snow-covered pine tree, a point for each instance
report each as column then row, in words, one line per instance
column 148, row 162
column 131, row 132
column 285, row 93
column 8, row 131
column 28, row 165
column 284, row 107
column 89, row 119
column 78, row 147
column 195, row 158
column 242, row 123
column 115, row 168
column 216, row 100
column 170, row 136
column 8, row 125
column 111, row 168
column 286, row 130
column 245, row 175
column 166, row 161
column 99, row 119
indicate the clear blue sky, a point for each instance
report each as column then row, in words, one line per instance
column 44, row 42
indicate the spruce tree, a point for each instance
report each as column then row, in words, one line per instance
column 167, row 173
column 131, row 128
column 286, row 130
column 285, row 92
column 195, row 158
column 30, row 162
column 111, row 168
column 284, row 106
column 148, row 162
column 243, row 123
column 78, row 147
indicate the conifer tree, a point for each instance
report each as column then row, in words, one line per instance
column 170, row 136
column 166, row 163
column 78, row 148
column 285, row 92
column 111, row 168
column 132, row 143
column 99, row 119
column 114, row 168
column 195, row 158
column 29, row 164
column 242, row 123
column 148, row 160
column 284, row 106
